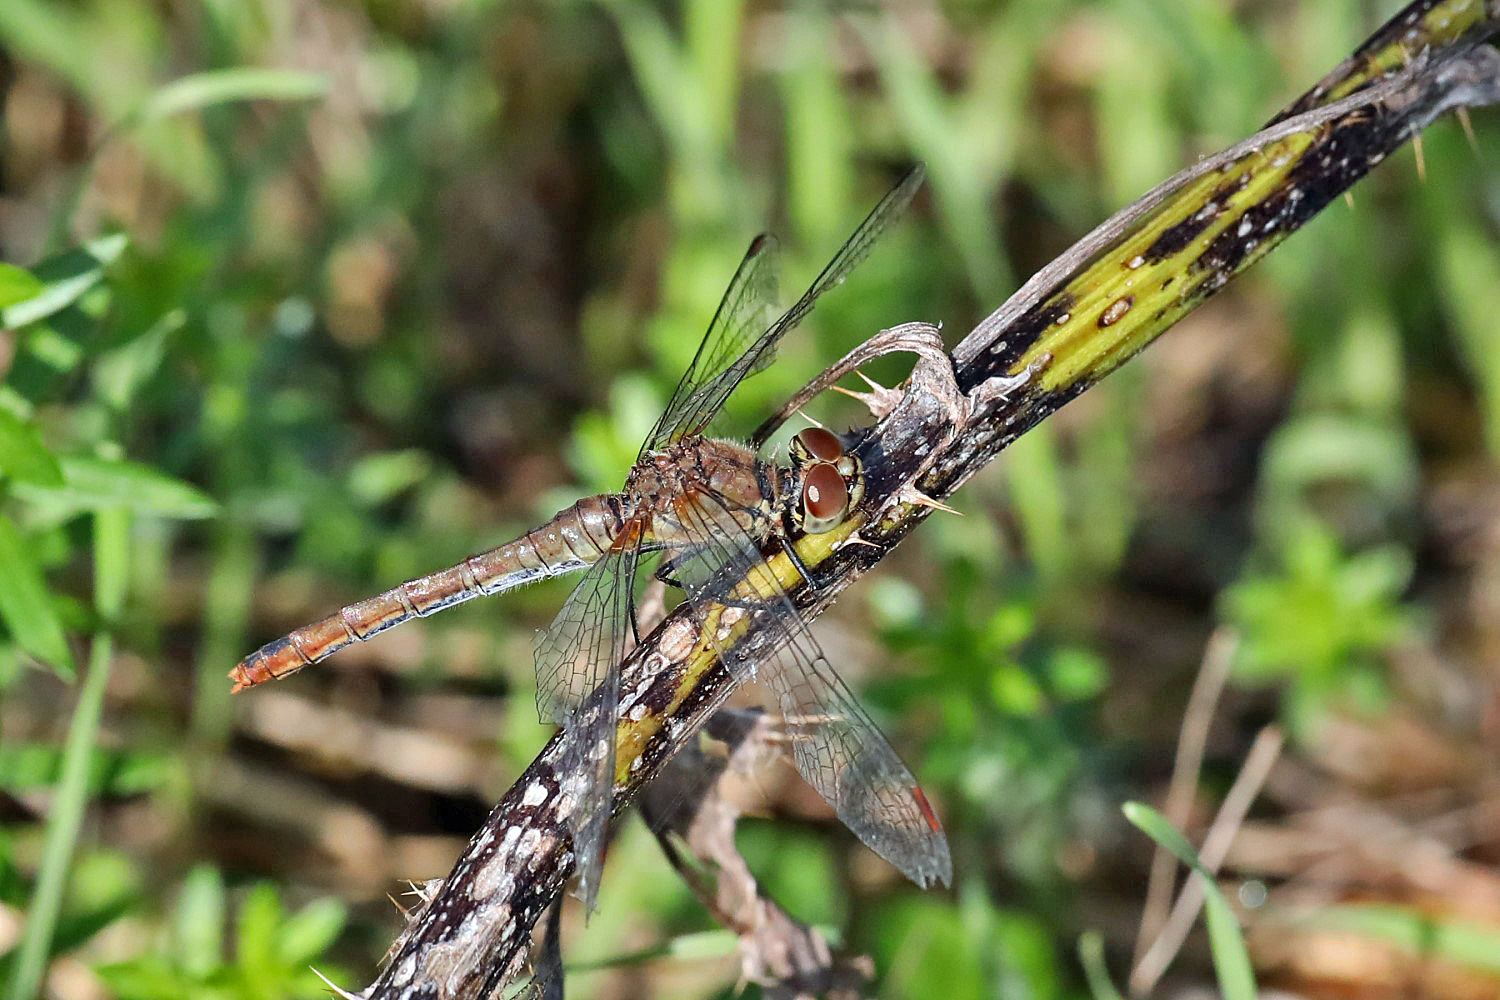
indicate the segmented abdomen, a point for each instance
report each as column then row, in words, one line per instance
column 575, row 538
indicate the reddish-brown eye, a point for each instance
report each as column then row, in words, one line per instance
column 821, row 444
column 825, row 498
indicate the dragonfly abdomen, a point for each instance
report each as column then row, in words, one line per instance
column 573, row 539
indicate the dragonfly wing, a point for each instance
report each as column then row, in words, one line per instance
column 743, row 315
column 728, row 354
column 836, row 746
column 578, row 687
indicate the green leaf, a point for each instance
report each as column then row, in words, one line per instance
column 17, row 285
column 239, row 83
column 1231, row 959
column 376, row 479
column 259, row 916
column 26, row 767
column 26, row 607
column 91, row 483
column 64, row 279
column 1077, row 674
column 921, row 942
column 308, row 932
column 23, row 456
column 148, row 977
column 198, row 924
column 121, row 373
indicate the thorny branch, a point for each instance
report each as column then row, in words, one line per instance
column 1068, row 327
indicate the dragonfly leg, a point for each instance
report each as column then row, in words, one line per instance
column 814, row 580
column 667, row 571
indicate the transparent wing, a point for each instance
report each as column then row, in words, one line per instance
column 578, row 686
column 728, row 355
column 835, row 745
column 744, row 313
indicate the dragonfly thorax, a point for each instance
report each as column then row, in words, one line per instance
column 696, row 464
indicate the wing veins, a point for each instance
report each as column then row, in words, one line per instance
column 837, row 748
column 578, row 687
column 745, row 307
column 691, row 409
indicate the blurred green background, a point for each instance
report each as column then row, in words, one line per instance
column 304, row 299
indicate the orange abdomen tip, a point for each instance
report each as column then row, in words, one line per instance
column 273, row 660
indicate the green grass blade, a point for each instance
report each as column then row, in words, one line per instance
column 712, row 40
column 1091, row 957
column 46, row 34
column 959, row 192
column 111, row 554
column 238, row 83
column 1231, row 958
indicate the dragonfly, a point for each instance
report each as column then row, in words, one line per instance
column 709, row 509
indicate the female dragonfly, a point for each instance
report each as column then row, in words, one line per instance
column 708, row 507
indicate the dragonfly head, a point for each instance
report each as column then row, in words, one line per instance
column 827, row 480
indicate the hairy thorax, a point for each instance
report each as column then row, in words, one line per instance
column 727, row 470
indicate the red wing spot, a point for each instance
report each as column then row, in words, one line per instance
column 821, row 444
column 927, row 813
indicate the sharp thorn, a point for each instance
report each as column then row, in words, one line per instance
column 879, row 400
column 852, row 394
column 912, row 495
column 810, row 420
column 337, row 990
column 1416, row 145
column 1468, row 127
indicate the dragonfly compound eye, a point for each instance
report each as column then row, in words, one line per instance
column 822, row 445
column 825, row 498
